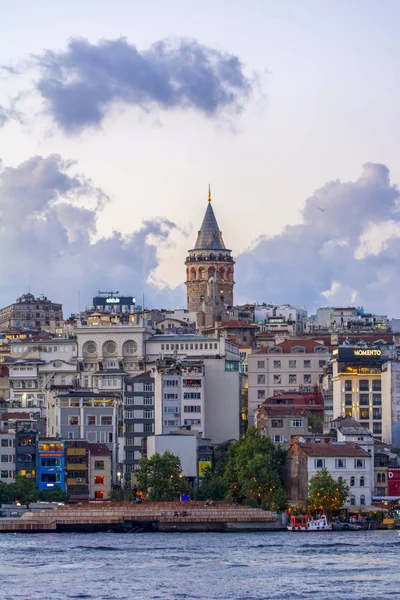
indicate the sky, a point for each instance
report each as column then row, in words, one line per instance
column 115, row 117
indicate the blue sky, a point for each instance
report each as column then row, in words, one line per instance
column 324, row 101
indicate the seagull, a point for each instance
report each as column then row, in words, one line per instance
column 322, row 209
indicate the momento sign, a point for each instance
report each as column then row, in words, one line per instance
column 367, row 352
column 348, row 353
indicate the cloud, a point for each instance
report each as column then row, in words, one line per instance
column 48, row 217
column 345, row 254
column 82, row 83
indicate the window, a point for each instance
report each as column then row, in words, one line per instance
column 292, row 379
column 73, row 420
column 319, row 463
column 362, row 500
column 148, row 387
column 99, row 480
column 261, row 364
column 348, row 399
column 376, row 400
column 364, row 399
column 148, row 427
column 364, row 414
column 307, row 364
column 297, row 422
column 277, row 439
column 376, row 385
column 129, row 414
column 261, row 379
column 340, row 463
column 347, row 385
column 5, row 458
column 148, row 414
column 91, row 420
column 377, row 428
column 277, row 423
column 352, row 481
column 307, row 378
column 191, row 409
column 4, row 443
column 383, row 477
column 364, row 385
column 292, row 364
column 148, row 401
column 348, row 412
column 260, row 394
column 362, row 481
column 359, row 463
column 352, row 500
column 377, row 414
column 277, row 379
column 99, row 495
column 321, row 363
column 277, row 364
column 106, row 420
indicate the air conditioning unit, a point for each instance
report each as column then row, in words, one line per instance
column 79, row 479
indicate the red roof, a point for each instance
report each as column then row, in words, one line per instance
column 284, row 410
column 16, row 416
column 342, row 449
column 99, row 450
column 231, row 325
column 287, row 345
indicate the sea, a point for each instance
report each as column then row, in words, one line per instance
column 182, row 566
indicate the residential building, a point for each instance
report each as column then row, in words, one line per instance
column 281, row 423
column 50, row 464
column 138, row 418
column 89, row 416
column 358, row 390
column 345, row 459
column 209, row 272
column 76, row 470
column 289, row 366
column 187, row 346
column 33, row 313
column 7, row 456
column 202, row 395
column 100, row 472
column 286, row 317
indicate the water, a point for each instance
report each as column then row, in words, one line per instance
column 177, row 566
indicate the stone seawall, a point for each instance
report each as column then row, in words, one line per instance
column 151, row 516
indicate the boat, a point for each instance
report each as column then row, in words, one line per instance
column 308, row 523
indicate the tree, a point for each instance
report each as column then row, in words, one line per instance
column 160, row 477
column 212, row 487
column 326, row 493
column 254, row 470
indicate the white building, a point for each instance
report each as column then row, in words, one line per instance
column 285, row 367
column 345, row 459
column 295, row 315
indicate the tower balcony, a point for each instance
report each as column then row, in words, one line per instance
column 210, row 258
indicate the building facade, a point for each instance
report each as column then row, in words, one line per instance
column 76, row 470
column 32, row 313
column 51, row 464
column 138, row 418
column 100, row 472
column 285, row 367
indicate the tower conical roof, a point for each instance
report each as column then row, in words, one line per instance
column 210, row 236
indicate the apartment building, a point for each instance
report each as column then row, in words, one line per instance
column 100, row 472
column 138, row 418
column 289, row 366
column 32, row 313
column 7, row 455
column 89, row 416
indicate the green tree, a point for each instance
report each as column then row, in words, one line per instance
column 24, row 490
column 212, row 487
column 160, row 477
column 254, row 470
column 54, row 494
column 326, row 493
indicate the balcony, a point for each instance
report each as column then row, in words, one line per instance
column 76, row 467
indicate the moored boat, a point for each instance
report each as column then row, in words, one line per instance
column 308, row 523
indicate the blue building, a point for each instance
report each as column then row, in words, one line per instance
column 50, row 464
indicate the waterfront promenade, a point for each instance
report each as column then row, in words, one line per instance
column 152, row 516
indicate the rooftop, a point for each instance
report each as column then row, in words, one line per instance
column 210, row 236
column 333, row 449
column 99, row 450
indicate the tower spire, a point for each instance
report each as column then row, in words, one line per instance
column 209, row 192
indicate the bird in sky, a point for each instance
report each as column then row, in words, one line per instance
column 322, row 209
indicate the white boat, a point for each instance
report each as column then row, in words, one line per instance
column 307, row 523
